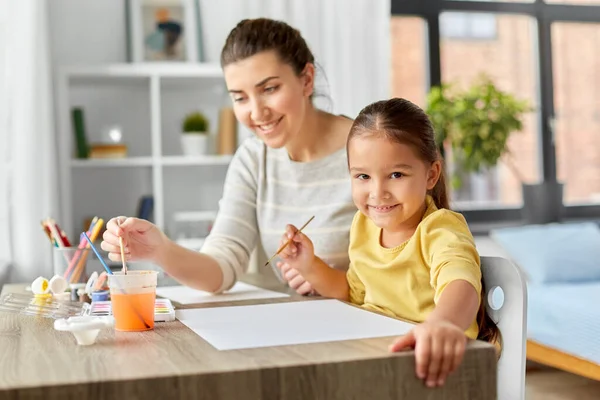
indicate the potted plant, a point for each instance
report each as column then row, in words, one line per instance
column 194, row 137
column 476, row 124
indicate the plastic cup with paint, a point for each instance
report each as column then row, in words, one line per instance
column 132, row 297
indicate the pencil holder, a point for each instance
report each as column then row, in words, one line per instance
column 75, row 264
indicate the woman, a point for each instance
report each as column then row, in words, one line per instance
column 293, row 169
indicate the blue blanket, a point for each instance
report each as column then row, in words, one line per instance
column 566, row 317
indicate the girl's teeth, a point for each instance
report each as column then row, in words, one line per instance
column 267, row 127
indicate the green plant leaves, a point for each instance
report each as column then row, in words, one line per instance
column 195, row 122
column 477, row 122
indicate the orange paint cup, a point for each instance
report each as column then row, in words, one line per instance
column 133, row 296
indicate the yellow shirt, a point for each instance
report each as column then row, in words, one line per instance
column 406, row 281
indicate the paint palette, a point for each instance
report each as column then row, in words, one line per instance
column 163, row 310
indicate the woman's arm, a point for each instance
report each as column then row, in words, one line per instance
column 226, row 251
column 145, row 241
column 191, row 268
column 235, row 232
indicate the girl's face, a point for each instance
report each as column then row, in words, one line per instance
column 389, row 181
column 268, row 97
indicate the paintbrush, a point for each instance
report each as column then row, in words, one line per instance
column 109, row 272
column 122, row 250
column 288, row 242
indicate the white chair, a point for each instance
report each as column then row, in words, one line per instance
column 508, row 308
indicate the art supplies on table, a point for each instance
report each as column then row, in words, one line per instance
column 240, row 291
column 290, row 323
column 163, row 310
column 45, row 305
column 71, row 260
column 85, row 328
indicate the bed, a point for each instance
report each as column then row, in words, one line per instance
column 563, row 327
column 561, row 263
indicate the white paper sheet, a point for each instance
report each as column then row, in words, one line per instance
column 240, row 291
column 242, row 327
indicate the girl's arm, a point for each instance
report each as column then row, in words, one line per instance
column 440, row 341
column 458, row 304
column 327, row 281
column 300, row 255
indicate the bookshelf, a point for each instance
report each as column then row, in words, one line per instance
column 148, row 102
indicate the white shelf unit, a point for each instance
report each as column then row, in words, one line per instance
column 149, row 102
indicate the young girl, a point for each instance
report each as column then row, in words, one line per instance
column 410, row 256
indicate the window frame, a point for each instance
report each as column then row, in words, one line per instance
column 470, row 34
column 544, row 14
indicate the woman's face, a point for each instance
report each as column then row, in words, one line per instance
column 268, row 97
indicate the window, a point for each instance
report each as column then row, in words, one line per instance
column 509, row 61
column 504, row 1
column 476, row 26
column 580, row 2
column 577, row 110
column 409, row 66
column 543, row 51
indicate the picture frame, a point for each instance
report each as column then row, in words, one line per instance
column 162, row 31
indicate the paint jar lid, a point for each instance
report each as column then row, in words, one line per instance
column 85, row 328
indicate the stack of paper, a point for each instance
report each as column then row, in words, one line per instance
column 240, row 327
column 240, row 291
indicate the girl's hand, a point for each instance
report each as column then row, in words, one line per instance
column 300, row 253
column 294, row 279
column 142, row 240
column 439, row 348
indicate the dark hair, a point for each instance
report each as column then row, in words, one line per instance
column 252, row 36
column 401, row 121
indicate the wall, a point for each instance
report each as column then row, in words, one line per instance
column 4, row 242
column 87, row 32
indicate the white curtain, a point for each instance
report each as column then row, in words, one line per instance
column 28, row 169
column 349, row 38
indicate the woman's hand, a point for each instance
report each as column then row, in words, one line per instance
column 294, row 279
column 439, row 348
column 142, row 240
column 300, row 253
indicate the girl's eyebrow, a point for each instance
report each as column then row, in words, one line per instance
column 356, row 169
column 400, row 166
column 404, row 166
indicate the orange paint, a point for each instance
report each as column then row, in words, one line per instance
column 132, row 310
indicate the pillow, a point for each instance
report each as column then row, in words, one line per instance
column 554, row 253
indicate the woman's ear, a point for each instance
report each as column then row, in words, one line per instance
column 433, row 175
column 308, row 77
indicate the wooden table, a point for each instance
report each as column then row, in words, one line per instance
column 173, row 362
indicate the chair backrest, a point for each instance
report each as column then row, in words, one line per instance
column 511, row 318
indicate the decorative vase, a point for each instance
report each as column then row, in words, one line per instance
column 227, row 133
column 194, row 143
column 542, row 202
